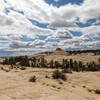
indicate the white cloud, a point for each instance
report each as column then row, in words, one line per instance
column 62, row 24
column 89, row 10
column 62, row 19
column 48, row 13
column 60, row 35
column 56, row 0
column 20, row 44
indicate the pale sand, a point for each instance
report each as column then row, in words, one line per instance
column 59, row 55
column 14, row 85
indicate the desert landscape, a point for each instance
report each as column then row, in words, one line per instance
column 15, row 83
column 49, row 49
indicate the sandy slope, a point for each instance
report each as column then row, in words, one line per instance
column 14, row 85
column 59, row 55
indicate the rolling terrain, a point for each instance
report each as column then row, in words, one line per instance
column 15, row 84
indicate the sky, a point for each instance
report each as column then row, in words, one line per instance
column 32, row 26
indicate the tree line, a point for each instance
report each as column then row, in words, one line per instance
column 95, row 52
column 41, row 62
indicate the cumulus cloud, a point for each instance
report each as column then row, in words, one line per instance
column 15, row 24
column 60, row 35
column 89, row 10
column 20, row 44
column 62, row 24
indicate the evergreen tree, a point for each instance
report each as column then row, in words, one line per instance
column 51, row 64
column 12, row 61
column 99, row 61
column 6, row 61
column 64, row 63
column 43, row 62
column 67, row 63
column 25, row 61
column 80, row 66
column 57, row 64
column 75, row 66
column 71, row 63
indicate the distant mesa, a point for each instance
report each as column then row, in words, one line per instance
column 59, row 49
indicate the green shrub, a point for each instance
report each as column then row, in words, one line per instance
column 97, row 91
column 57, row 64
column 99, row 60
column 66, row 70
column 32, row 79
column 58, row 75
column 23, row 68
column 47, row 76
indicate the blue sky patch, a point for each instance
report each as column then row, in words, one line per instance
column 88, row 23
column 42, row 37
column 76, row 33
column 63, row 2
column 34, row 22
column 7, row 10
column 26, row 39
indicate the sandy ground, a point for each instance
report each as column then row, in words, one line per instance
column 15, row 85
column 59, row 55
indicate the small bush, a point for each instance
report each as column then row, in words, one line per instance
column 53, row 86
column 32, row 79
column 66, row 71
column 97, row 91
column 58, row 75
column 23, row 68
column 47, row 76
column 59, row 88
column 60, row 82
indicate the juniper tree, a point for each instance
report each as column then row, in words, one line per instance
column 6, row 61
column 43, row 62
column 25, row 61
column 51, row 64
column 75, row 66
column 99, row 61
column 80, row 66
column 67, row 63
column 71, row 63
column 57, row 64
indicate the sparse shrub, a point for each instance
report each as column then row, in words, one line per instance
column 32, row 79
column 23, row 68
column 59, row 88
column 53, row 86
column 60, row 82
column 47, row 76
column 66, row 70
column 97, row 91
column 90, row 90
column 58, row 75
column 73, row 86
column 84, row 86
